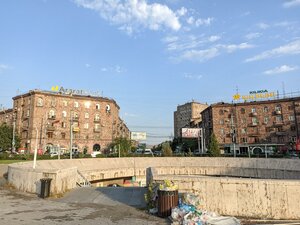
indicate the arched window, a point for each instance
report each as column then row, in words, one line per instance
column 40, row 102
column 97, row 117
column 86, row 115
column 98, row 106
column 96, row 148
column 76, row 104
column 52, row 114
column 107, row 108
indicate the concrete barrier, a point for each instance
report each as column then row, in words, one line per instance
column 257, row 196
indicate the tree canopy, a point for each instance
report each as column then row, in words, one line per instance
column 6, row 136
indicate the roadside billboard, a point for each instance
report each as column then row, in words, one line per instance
column 138, row 136
column 190, row 132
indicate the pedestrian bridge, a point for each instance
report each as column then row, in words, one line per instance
column 263, row 188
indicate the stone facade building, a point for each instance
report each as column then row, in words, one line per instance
column 253, row 127
column 187, row 115
column 50, row 119
column 6, row 116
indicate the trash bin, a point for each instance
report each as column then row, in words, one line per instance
column 166, row 201
column 45, row 187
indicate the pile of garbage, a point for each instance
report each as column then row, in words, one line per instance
column 189, row 212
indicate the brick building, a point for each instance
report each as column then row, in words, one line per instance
column 6, row 116
column 253, row 126
column 46, row 118
column 187, row 115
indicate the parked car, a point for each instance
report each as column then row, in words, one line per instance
column 139, row 151
column 94, row 154
column 148, row 151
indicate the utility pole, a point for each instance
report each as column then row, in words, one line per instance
column 14, row 130
column 36, row 146
column 71, row 136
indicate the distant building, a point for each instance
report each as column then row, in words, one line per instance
column 187, row 115
column 51, row 117
column 253, row 126
column 6, row 116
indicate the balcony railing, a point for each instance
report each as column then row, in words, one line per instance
column 50, row 128
column 75, row 118
column 97, row 120
column 76, row 129
column 253, row 114
column 277, row 112
column 51, row 117
column 97, row 130
column 278, row 123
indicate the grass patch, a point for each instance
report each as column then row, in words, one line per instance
column 9, row 161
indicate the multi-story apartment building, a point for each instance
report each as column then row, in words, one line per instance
column 6, row 116
column 187, row 115
column 50, row 119
column 253, row 127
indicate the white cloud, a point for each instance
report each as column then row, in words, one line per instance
column 214, row 38
column 130, row 115
column 170, row 39
column 200, row 55
column 281, row 69
column 192, row 77
column 234, row 47
column 87, row 65
column 199, row 22
column 113, row 69
column 182, row 11
column 3, row 67
column 251, row 36
column 292, row 48
column 291, row 3
column 133, row 14
column 263, row 26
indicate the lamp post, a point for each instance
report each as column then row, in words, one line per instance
column 36, row 146
column 14, row 130
column 71, row 136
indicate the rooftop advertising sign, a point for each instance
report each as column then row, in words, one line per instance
column 138, row 136
column 254, row 95
column 68, row 91
column 190, row 132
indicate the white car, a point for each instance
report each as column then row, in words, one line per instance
column 148, row 152
column 94, row 154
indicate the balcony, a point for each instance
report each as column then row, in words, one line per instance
column 97, row 120
column 253, row 124
column 97, row 130
column 53, row 117
column 278, row 123
column 253, row 114
column 50, row 128
column 76, row 129
column 277, row 112
column 281, row 133
column 75, row 118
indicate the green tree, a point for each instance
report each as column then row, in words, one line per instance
column 213, row 146
column 124, row 144
column 166, row 149
column 6, row 136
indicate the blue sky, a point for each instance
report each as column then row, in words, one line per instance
column 150, row 56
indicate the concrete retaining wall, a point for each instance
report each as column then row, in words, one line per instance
column 256, row 198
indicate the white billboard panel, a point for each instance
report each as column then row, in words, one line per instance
column 190, row 132
column 138, row 136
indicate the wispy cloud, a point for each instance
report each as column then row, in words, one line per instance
column 200, row 22
column 251, row 36
column 263, row 26
column 3, row 67
column 200, row 55
column 291, row 3
column 87, row 65
column 113, row 69
column 292, row 48
column 133, row 14
column 281, row 69
column 130, row 115
column 234, row 47
column 192, row 76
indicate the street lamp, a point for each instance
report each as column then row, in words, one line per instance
column 36, row 146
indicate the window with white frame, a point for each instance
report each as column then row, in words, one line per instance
column 65, row 103
column 244, row 131
column 64, row 114
column 51, row 113
column 253, row 110
column 40, row 102
column 266, row 109
column 97, row 117
column 98, row 106
column 87, row 105
column 86, row 115
column 76, row 104
column 86, row 126
column 291, row 118
column 266, row 120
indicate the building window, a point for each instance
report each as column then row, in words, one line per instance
column 53, row 103
column 86, row 115
column 107, row 108
column 278, row 119
column 266, row 120
column 63, row 135
column 76, row 104
column 254, row 120
column 28, row 113
column 244, row 130
column 63, row 124
column 243, row 140
column 243, row 110
column 86, row 126
column 50, row 135
column 253, row 110
column 290, row 107
column 278, row 108
column 97, row 117
column 291, row 118
column 266, row 109
column 39, row 103
column 64, row 114
column 243, row 120
column 222, row 122
column 65, row 103
column 51, row 114
column 222, row 131
column 98, row 106
column 87, row 105
column 221, row 111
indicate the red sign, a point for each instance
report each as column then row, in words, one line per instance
column 190, row 132
column 298, row 145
